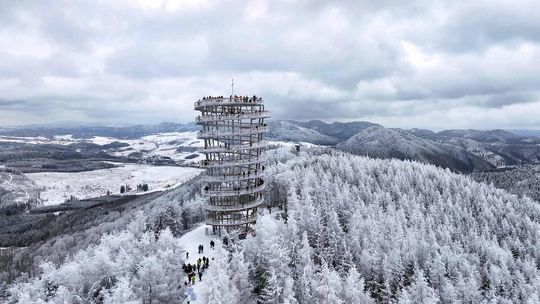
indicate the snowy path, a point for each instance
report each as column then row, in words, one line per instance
column 10, row 183
column 190, row 241
column 20, row 187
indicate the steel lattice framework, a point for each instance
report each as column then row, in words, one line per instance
column 232, row 130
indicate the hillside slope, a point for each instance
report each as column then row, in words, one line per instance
column 89, row 130
column 282, row 130
column 361, row 230
column 339, row 130
column 352, row 230
column 381, row 142
column 460, row 150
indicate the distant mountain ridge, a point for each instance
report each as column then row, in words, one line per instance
column 86, row 130
column 459, row 150
column 315, row 131
column 381, row 142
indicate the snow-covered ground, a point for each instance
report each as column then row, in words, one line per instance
column 59, row 140
column 16, row 188
column 175, row 145
column 190, row 242
column 57, row 187
column 170, row 145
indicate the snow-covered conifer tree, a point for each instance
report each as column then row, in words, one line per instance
column 271, row 292
column 353, row 289
column 122, row 293
column 420, row 292
column 328, row 287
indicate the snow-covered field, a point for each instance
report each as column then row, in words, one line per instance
column 57, row 187
column 174, row 145
column 16, row 188
column 59, row 140
column 190, row 242
column 170, row 145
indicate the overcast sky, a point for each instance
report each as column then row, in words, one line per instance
column 429, row 64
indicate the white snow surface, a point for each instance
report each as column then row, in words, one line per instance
column 168, row 144
column 16, row 188
column 57, row 187
column 190, row 242
column 160, row 145
column 39, row 140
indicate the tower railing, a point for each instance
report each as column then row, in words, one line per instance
column 232, row 177
column 244, row 191
column 243, row 131
column 216, row 101
column 232, row 148
column 224, row 117
column 236, row 222
column 231, row 163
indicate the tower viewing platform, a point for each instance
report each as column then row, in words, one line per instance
column 232, row 130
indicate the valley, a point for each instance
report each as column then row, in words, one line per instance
column 62, row 168
column 58, row 187
column 65, row 197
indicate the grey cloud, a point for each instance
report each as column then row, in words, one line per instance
column 474, row 26
column 310, row 59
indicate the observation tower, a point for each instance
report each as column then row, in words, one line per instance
column 232, row 130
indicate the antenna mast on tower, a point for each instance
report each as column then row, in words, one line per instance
column 232, row 86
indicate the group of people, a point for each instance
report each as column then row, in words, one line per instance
column 236, row 98
column 189, row 270
column 201, row 265
column 244, row 174
column 258, row 183
column 249, row 172
column 237, row 110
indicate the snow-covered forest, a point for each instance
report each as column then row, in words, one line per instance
column 351, row 230
column 522, row 180
column 394, row 231
column 102, row 263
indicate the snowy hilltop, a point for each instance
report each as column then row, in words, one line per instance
column 460, row 150
column 343, row 229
